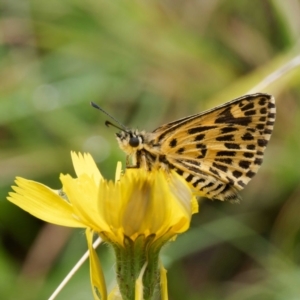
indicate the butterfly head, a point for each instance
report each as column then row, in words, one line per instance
column 130, row 141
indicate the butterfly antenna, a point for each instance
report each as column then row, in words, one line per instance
column 107, row 123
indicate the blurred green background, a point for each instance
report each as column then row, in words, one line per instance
column 148, row 62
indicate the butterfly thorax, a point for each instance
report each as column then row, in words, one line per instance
column 139, row 147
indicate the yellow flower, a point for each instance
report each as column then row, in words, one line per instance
column 149, row 207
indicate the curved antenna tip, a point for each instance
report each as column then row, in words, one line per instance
column 107, row 123
column 94, row 105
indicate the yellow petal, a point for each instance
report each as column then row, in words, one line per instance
column 83, row 193
column 166, row 211
column 115, row 294
column 84, row 164
column 43, row 203
column 182, row 192
column 183, row 203
column 195, row 205
column 118, row 171
column 136, row 195
column 110, row 207
column 163, row 282
column 145, row 204
column 96, row 273
column 139, row 287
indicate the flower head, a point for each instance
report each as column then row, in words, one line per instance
column 153, row 205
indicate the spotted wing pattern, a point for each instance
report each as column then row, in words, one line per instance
column 220, row 150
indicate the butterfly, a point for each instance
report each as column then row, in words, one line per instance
column 217, row 151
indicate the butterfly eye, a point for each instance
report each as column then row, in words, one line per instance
column 134, row 142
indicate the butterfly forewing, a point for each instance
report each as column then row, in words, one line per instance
column 220, row 150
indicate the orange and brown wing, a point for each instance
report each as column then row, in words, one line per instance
column 220, row 150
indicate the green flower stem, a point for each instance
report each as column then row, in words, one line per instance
column 129, row 261
column 152, row 270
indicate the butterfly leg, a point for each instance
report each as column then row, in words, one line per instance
column 139, row 160
column 128, row 166
column 127, row 161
